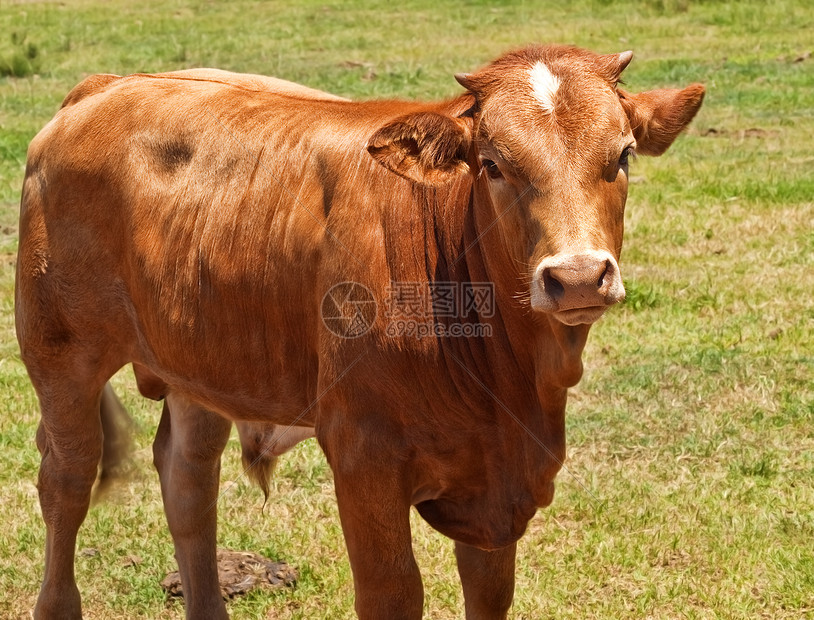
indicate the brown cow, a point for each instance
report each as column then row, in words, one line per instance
column 241, row 243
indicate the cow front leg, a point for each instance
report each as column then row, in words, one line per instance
column 374, row 508
column 487, row 578
column 186, row 453
column 377, row 533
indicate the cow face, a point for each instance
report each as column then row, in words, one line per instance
column 549, row 142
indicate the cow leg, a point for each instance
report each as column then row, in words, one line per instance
column 374, row 507
column 69, row 439
column 186, row 453
column 488, row 580
column 377, row 533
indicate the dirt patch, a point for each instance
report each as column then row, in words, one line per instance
column 740, row 134
column 238, row 573
column 368, row 69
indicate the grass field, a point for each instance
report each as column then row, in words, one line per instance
column 688, row 491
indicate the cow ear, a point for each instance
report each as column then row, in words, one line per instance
column 658, row 116
column 425, row 147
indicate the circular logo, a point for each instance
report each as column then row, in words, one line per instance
column 348, row 309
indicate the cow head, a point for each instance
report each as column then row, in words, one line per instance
column 548, row 141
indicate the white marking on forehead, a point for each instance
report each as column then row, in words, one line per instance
column 544, row 85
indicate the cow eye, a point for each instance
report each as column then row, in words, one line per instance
column 491, row 169
column 624, row 159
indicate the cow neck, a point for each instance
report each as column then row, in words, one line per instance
column 547, row 349
column 460, row 252
column 452, row 234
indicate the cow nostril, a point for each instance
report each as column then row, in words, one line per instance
column 604, row 273
column 552, row 286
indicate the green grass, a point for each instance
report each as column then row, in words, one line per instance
column 688, row 491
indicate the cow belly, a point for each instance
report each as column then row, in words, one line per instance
column 282, row 399
column 235, row 350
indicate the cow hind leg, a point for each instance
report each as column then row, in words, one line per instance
column 69, row 439
column 186, row 453
column 487, row 578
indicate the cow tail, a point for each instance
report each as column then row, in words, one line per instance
column 258, row 460
column 259, row 468
column 117, row 446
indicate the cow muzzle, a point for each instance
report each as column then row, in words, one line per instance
column 577, row 288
